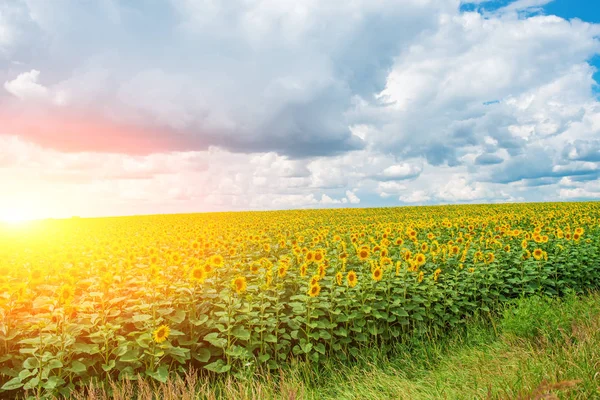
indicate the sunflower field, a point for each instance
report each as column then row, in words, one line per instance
column 93, row 300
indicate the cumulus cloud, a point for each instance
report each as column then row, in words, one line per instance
column 401, row 171
column 26, row 86
column 352, row 197
column 391, row 188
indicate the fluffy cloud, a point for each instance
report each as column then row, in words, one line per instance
column 26, row 86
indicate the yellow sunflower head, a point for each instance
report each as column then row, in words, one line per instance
column 377, row 274
column 161, row 333
column 239, row 284
column 314, row 290
column 352, row 278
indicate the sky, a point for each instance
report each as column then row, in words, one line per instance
column 111, row 107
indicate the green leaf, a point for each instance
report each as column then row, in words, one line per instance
column 270, row 338
column 178, row 317
column 13, row 384
column 77, row 367
column 130, row 356
column 215, row 340
column 241, row 333
column 53, row 364
column 85, row 348
column 199, row 321
column 31, row 363
column 202, row 354
column 26, row 373
column 52, row 382
column 161, row 374
column 33, row 382
column 141, row 317
column 306, row 347
column 109, row 366
column 218, row 366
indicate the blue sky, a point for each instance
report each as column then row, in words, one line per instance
column 110, row 107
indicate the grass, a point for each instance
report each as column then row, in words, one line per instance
column 536, row 348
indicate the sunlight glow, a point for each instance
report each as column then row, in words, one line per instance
column 15, row 217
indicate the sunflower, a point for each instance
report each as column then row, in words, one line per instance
column 537, row 254
column 239, row 284
column 420, row 277
column 339, row 278
column 363, row 254
column 524, row 244
column 318, row 255
column 377, row 274
column 268, row 278
column 420, row 259
column 314, row 280
column 161, row 333
column 282, row 270
column 66, row 294
column 399, row 242
column 309, row 256
column 322, row 270
column 407, row 255
column 436, row 274
column 490, row 258
column 303, row 269
column 254, row 268
column 314, row 290
column 197, row 274
column 216, row 260
column 576, row 236
column 352, row 278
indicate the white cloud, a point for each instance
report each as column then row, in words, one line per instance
column 417, row 196
column 328, row 200
column 26, row 86
column 352, row 197
column 402, row 171
column 578, row 193
column 390, row 188
column 459, row 189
